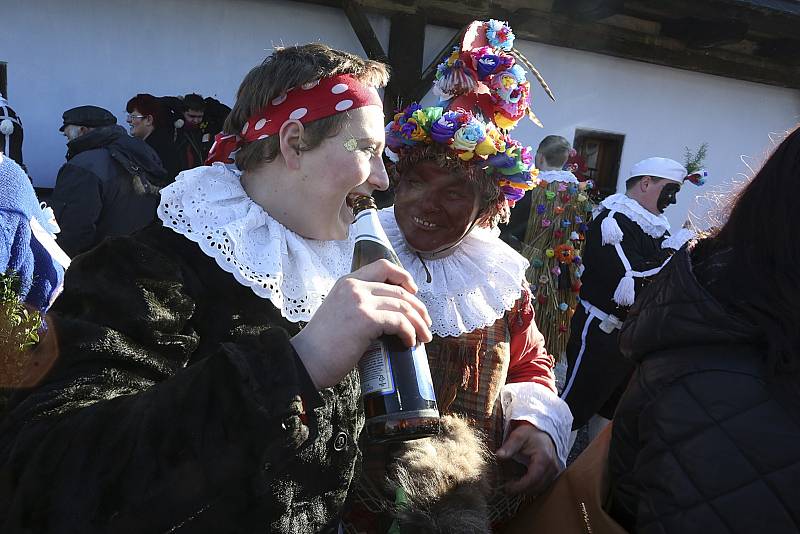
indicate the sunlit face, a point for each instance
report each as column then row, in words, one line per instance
column 348, row 162
column 434, row 207
column 140, row 125
column 193, row 117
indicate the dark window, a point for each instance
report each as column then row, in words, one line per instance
column 602, row 152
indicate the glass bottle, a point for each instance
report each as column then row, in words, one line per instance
column 399, row 401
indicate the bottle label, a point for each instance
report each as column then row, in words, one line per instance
column 368, row 226
column 375, row 368
column 424, row 380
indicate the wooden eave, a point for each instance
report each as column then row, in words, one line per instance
column 751, row 40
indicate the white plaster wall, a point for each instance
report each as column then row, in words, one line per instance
column 65, row 54
column 660, row 111
column 102, row 52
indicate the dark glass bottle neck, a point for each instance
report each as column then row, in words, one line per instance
column 362, row 202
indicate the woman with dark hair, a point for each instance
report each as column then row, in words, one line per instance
column 204, row 381
column 149, row 122
column 706, row 436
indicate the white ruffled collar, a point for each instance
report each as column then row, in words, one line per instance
column 470, row 288
column 652, row 224
column 209, row 206
column 558, row 176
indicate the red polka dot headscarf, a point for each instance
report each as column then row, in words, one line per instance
column 309, row 102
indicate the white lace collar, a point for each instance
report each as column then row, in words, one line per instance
column 472, row 287
column 209, row 206
column 652, row 224
column 558, row 176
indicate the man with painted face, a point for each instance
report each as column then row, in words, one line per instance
column 457, row 172
column 627, row 243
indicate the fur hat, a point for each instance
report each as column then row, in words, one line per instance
column 444, row 481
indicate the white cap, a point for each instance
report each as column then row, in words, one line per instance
column 661, row 168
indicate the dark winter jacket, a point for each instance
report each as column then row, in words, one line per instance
column 103, row 188
column 189, row 146
column 177, row 404
column 162, row 140
column 705, row 439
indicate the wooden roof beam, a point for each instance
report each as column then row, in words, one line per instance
column 697, row 33
column 363, row 29
column 771, row 22
column 429, row 74
column 558, row 30
column 588, row 10
column 406, row 47
column 535, row 22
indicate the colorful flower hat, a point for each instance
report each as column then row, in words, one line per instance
column 484, row 94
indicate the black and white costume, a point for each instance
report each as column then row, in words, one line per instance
column 625, row 245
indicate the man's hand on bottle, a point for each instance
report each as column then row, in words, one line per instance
column 375, row 300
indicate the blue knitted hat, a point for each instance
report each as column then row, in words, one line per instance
column 27, row 243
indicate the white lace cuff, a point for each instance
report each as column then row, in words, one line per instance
column 676, row 241
column 536, row 404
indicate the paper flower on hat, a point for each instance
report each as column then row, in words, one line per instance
column 473, row 141
column 698, row 178
column 695, row 173
column 488, row 94
column 408, row 127
column 499, row 35
column 485, row 67
column 444, row 128
column 454, row 77
column 486, row 62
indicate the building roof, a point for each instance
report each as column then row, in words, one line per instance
column 755, row 40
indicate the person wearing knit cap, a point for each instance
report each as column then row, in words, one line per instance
column 32, row 269
column 28, row 248
column 627, row 243
column 456, row 171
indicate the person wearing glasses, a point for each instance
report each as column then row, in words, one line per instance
column 105, row 187
column 148, row 120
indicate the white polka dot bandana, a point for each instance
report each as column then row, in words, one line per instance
column 309, row 102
